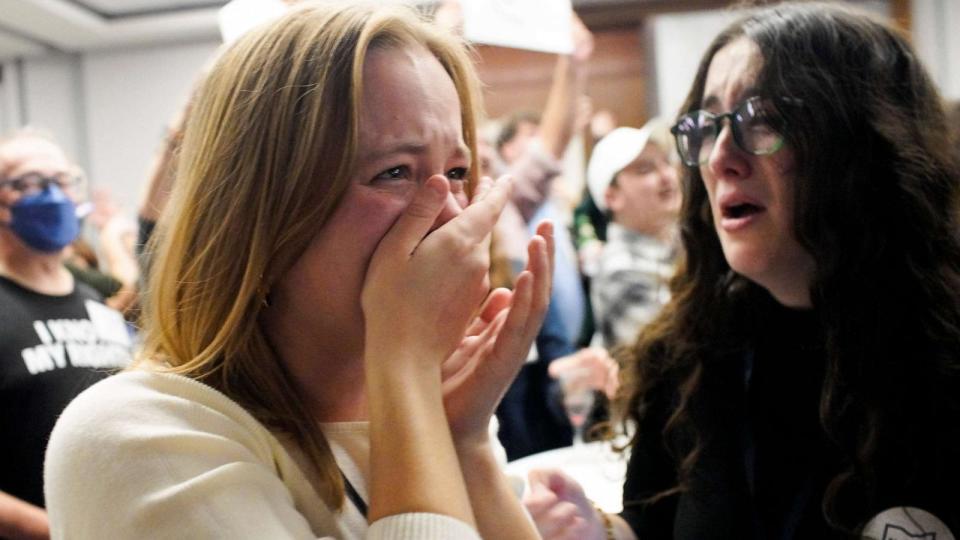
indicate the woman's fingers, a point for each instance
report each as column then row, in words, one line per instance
column 540, row 263
column 483, row 187
column 514, row 339
column 476, row 222
column 418, row 217
column 498, row 300
column 498, row 349
column 527, row 306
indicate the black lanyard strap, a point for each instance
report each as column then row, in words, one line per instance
column 354, row 495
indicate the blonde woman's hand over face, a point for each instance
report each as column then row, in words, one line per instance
column 560, row 509
column 496, row 344
column 428, row 276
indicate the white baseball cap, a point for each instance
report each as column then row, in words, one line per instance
column 615, row 151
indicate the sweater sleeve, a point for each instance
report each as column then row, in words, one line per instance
column 422, row 526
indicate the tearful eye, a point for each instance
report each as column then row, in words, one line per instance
column 400, row 172
column 457, row 173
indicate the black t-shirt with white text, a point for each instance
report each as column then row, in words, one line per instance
column 51, row 349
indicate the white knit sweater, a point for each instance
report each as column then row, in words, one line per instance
column 150, row 455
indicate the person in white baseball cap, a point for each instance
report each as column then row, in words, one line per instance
column 633, row 179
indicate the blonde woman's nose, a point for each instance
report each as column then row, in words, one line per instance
column 452, row 207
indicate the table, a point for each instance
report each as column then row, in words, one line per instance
column 594, row 465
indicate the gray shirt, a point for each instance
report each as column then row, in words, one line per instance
column 631, row 284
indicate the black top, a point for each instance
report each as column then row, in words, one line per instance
column 51, row 349
column 765, row 460
column 531, row 414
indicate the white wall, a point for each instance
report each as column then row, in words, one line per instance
column 108, row 109
column 51, row 101
column 679, row 40
column 128, row 97
column 938, row 42
column 9, row 97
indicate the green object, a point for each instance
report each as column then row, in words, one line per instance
column 104, row 284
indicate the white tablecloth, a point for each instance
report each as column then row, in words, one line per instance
column 594, row 465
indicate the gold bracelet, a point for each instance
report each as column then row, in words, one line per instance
column 607, row 522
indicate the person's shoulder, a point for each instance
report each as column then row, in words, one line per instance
column 11, row 288
column 133, row 411
column 6, row 283
column 85, row 291
column 108, row 408
column 142, row 397
column 164, row 453
column 93, row 280
column 115, row 422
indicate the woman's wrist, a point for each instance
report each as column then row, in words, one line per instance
column 402, row 364
column 474, row 449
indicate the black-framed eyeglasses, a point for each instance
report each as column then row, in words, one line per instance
column 757, row 123
column 33, row 182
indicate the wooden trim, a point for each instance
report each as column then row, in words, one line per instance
column 901, row 12
column 603, row 15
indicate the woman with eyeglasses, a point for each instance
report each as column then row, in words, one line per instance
column 804, row 380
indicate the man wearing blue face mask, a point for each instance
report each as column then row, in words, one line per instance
column 56, row 336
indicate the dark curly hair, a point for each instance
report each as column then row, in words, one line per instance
column 876, row 196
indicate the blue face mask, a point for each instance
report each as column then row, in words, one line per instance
column 46, row 221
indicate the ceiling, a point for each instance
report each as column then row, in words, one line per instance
column 34, row 27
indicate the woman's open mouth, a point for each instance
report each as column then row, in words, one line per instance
column 739, row 214
column 741, row 210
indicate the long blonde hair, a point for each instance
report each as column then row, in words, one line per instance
column 268, row 147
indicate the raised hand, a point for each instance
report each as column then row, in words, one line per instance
column 496, row 344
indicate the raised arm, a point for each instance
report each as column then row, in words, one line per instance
column 539, row 163
column 569, row 84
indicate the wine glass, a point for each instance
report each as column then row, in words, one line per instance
column 577, row 400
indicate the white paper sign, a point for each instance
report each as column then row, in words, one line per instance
column 537, row 25
column 239, row 16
